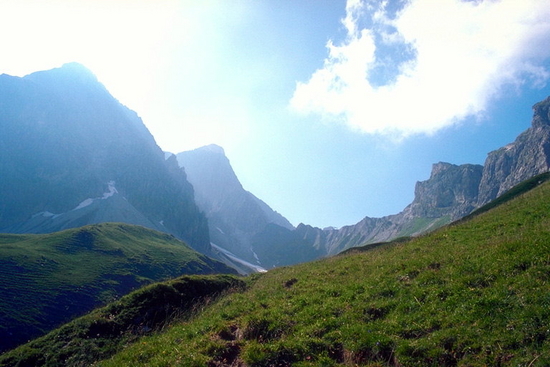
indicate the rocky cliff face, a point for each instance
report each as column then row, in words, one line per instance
column 235, row 216
column 65, row 142
column 527, row 156
column 452, row 191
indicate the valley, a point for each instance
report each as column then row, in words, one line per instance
column 94, row 214
column 473, row 293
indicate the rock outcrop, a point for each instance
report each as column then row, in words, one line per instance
column 451, row 191
column 527, row 156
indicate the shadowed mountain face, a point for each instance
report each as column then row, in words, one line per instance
column 71, row 154
column 235, row 215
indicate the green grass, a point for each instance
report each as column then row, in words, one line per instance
column 471, row 294
column 48, row 279
column 514, row 192
column 421, row 225
column 104, row 331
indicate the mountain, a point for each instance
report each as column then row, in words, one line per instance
column 526, row 157
column 235, row 216
column 451, row 192
column 48, row 279
column 71, row 155
column 464, row 295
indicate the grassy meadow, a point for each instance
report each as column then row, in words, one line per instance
column 48, row 279
column 476, row 293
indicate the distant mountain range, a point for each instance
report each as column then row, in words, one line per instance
column 72, row 155
column 244, row 225
column 235, row 216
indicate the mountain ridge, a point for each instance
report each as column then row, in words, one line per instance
column 450, row 193
column 64, row 138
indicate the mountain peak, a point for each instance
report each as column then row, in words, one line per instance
column 72, row 72
column 212, row 148
column 439, row 167
column 541, row 113
column 75, row 66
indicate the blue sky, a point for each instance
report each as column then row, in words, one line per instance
column 328, row 110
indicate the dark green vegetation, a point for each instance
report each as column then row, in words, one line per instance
column 48, row 279
column 102, row 332
column 472, row 294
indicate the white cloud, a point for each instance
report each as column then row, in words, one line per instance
column 463, row 54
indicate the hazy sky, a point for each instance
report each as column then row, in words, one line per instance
column 329, row 110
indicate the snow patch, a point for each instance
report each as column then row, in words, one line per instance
column 219, row 229
column 45, row 214
column 111, row 190
column 84, row 204
column 232, row 256
column 256, row 256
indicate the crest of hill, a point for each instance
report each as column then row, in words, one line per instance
column 474, row 293
column 48, row 279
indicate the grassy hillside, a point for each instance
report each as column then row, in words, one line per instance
column 102, row 332
column 48, row 279
column 472, row 294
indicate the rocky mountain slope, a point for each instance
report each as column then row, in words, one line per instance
column 235, row 216
column 452, row 191
column 526, row 157
column 71, row 154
